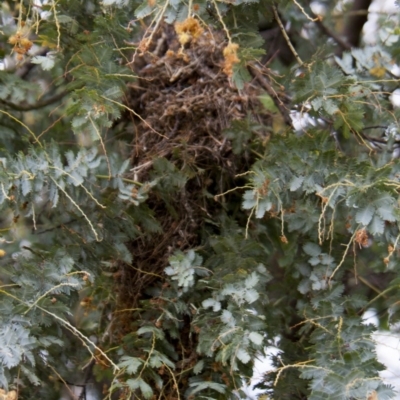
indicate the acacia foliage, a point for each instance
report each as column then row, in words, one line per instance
column 289, row 251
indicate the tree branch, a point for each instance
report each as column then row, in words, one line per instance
column 39, row 104
column 328, row 32
column 285, row 112
column 285, row 35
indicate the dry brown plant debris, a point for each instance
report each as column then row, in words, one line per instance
column 185, row 100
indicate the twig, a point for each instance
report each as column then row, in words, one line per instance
column 34, row 304
column 53, row 8
column 80, row 335
column 285, row 35
column 326, row 31
column 37, row 105
column 344, row 256
column 175, row 382
column 71, row 393
column 221, row 20
column 59, row 226
column 25, row 126
column 300, row 365
column 304, row 12
column 96, row 235
column 270, row 90
column 135, row 114
column 102, row 145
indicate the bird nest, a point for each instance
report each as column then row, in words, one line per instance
column 181, row 103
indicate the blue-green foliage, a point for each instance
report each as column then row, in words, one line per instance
column 277, row 260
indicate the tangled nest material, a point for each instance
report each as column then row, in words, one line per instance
column 183, row 101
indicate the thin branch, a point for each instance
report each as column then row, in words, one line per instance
column 96, row 235
column 221, row 20
column 71, row 393
column 34, row 304
column 80, row 335
column 344, row 256
column 285, row 35
column 270, row 90
column 102, row 145
column 25, row 126
column 135, row 114
column 58, row 226
column 39, row 104
column 328, row 32
column 303, row 11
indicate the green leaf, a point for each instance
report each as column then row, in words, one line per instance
column 216, row 305
column 377, row 225
column 4, row 92
column 387, row 213
column 330, row 106
column 130, row 363
column 243, row 355
column 249, row 199
column 251, row 296
column 295, row 183
column 133, row 383
column 239, row 133
column 256, row 338
column 143, row 10
column 64, row 19
column 312, row 249
column 46, row 62
column 199, row 386
column 32, row 377
column 317, row 103
column 227, row 318
column 198, row 367
column 240, row 75
column 123, row 253
column 251, row 280
column 268, row 102
column 146, row 389
column 159, row 334
column 365, row 214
